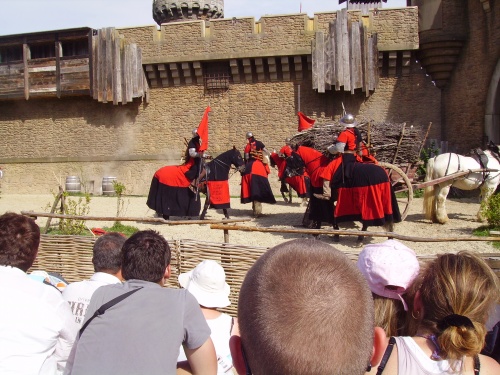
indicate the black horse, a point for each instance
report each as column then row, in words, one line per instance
column 216, row 185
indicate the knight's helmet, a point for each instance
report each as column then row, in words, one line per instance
column 348, row 121
column 195, row 132
column 288, row 141
column 249, row 135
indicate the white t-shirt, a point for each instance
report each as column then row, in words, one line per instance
column 37, row 329
column 412, row 360
column 221, row 333
column 78, row 294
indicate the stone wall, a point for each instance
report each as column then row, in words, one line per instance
column 77, row 136
column 465, row 97
column 272, row 36
column 47, row 140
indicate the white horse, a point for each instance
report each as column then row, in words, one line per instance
column 446, row 164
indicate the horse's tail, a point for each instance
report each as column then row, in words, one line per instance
column 429, row 195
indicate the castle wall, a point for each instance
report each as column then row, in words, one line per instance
column 226, row 38
column 465, row 96
column 47, row 140
column 75, row 136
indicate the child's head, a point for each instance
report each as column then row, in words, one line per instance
column 389, row 268
column 207, row 283
column 456, row 293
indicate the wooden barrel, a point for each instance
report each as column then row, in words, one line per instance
column 73, row 184
column 107, row 186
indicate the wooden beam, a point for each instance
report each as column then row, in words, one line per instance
column 137, row 219
column 316, row 232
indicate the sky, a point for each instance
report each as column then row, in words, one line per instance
column 27, row 16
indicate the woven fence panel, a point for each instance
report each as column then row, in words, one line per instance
column 71, row 256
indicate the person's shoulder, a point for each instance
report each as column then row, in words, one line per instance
column 488, row 365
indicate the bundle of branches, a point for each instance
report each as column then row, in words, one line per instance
column 389, row 142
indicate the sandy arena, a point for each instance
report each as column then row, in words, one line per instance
column 462, row 213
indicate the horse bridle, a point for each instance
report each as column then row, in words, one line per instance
column 230, row 166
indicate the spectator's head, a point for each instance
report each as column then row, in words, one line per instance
column 107, row 253
column 207, row 283
column 456, row 293
column 146, row 256
column 19, row 240
column 389, row 268
column 304, row 307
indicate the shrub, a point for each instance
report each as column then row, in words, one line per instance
column 80, row 207
column 490, row 210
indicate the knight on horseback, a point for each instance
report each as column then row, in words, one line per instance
column 349, row 141
column 193, row 155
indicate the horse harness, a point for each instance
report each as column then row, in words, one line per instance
column 483, row 162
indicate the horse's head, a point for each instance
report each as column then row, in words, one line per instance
column 237, row 159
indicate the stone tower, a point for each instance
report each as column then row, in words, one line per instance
column 165, row 11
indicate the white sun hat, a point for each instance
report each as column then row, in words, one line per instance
column 207, row 283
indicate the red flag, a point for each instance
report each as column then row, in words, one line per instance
column 305, row 122
column 203, row 130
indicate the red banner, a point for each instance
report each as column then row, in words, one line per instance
column 305, row 122
column 203, row 130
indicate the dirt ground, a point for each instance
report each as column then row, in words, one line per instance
column 462, row 213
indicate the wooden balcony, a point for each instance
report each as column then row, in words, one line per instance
column 96, row 63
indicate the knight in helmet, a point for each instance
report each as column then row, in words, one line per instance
column 349, row 140
column 286, row 150
column 255, row 185
column 195, row 157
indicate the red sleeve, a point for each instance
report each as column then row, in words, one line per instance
column 343, row 137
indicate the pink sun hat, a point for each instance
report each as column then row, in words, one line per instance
column 389, row 268
column 207, row 283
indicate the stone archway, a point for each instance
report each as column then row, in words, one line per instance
column 492, row 114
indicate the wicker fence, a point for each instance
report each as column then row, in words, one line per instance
column 71, row 256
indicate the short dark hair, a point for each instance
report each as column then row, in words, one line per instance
column 145, row 255
column 19, row 241
column 304, row 307
column 107, row 253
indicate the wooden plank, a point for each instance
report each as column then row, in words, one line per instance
column 139, row 72
column 346, row 47
column 74, row 69
column 128, row 74
column 314, row 72
column 90, row 43
column 332, row 57
column 356, row 64
column 135, row 81
column 365, row 61
column 319, row 61
column 95, row 66
column 58, row 48
column 338, row 56
column 109, row 64
column 26, row 52
column 117, row 67
column 102, row 65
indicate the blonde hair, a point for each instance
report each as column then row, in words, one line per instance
column 461, row 284
column 305, row 308
column 389, row 315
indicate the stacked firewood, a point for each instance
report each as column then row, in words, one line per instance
column 396, row 143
